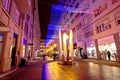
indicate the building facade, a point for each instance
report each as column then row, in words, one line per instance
column 18, row 26
column 95, row 24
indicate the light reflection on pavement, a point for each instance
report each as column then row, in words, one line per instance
column 80, row 71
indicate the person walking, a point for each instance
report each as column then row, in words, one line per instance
column 43, row 56
column 108, row 54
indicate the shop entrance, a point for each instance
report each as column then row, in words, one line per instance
column 29, row 54
column 13, row 54
column 80, row 49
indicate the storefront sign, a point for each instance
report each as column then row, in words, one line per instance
column 4, row 29
column 108, row 39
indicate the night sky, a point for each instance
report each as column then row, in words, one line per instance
column 44, row 7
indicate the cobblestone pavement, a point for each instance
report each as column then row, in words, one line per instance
column 51, row 70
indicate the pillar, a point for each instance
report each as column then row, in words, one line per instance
column 60, row 44
column 97, row 49
column 65, row 45
column 71, row 44
column 117, row 43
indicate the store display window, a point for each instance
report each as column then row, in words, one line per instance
column 104, row 48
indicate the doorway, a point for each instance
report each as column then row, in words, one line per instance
column 14, row 45
column 81, row 51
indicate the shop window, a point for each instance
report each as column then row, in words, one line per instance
column 1, row 37
column 23, row 51
column 1, row 42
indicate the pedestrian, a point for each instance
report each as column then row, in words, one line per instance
column 108, row 54
column 43, row 56
column 105, row 54
column 54, row 56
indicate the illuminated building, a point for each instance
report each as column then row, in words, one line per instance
column 19, row 32
column 95, row 25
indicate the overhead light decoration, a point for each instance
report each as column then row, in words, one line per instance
column 84, row 7
column 54, row 26
column 56, row 17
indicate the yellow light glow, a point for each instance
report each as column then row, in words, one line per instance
column 65, row 36
column 55, row 45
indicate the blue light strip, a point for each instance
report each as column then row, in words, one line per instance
column 72, row 9
column 53, row 28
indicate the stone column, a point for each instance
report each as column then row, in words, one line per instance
column 97, row 49
column 117, row 43
column 65, row 45
column 60, row 44
column 85, row 48
column 71, row 44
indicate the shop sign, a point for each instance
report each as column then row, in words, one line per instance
column 4, row 29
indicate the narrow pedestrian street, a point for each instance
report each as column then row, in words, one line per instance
column 51, row 70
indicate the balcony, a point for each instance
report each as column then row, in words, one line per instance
column 23, row 5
